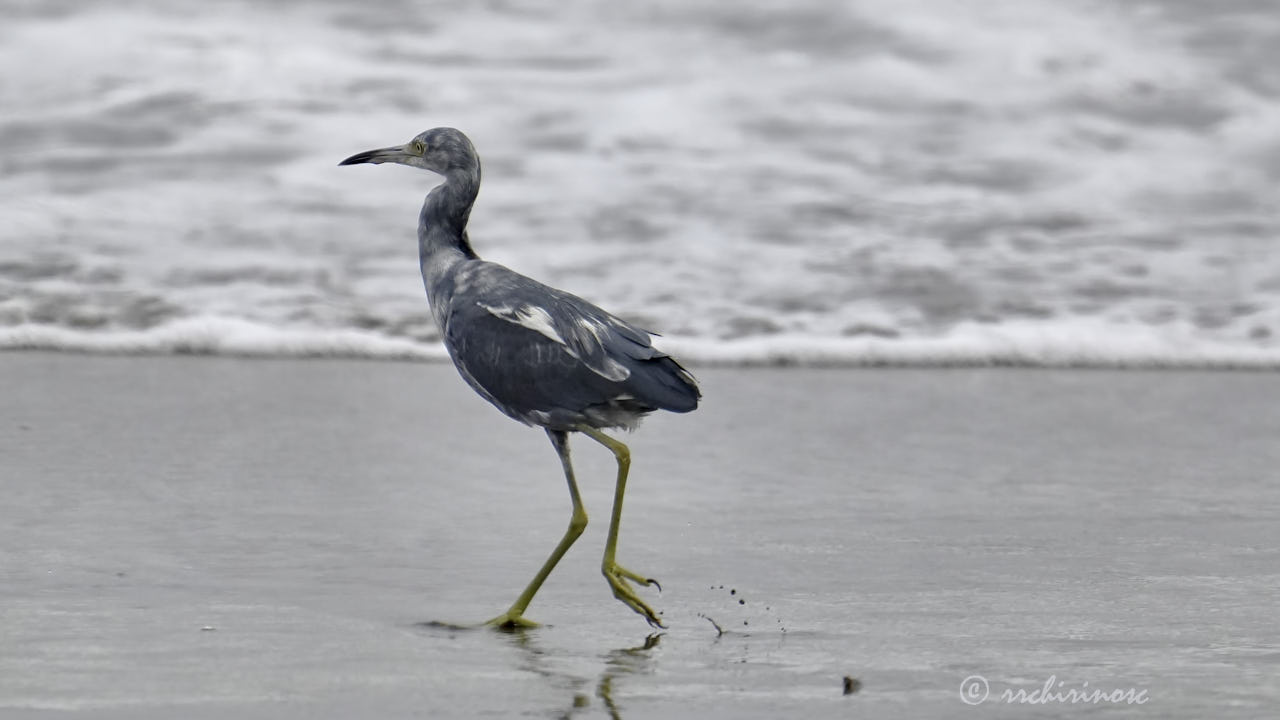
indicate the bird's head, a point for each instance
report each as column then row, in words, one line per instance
column 439, row 150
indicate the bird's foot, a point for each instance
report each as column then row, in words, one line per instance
column 510, row 621
column 618, row 577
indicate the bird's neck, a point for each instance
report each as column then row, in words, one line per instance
column 442, row 226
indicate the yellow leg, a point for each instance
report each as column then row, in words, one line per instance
column 615, row 574
column 514, row 616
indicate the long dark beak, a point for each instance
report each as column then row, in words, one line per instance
column 396, row 154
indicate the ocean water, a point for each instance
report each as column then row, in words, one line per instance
column 871, row 181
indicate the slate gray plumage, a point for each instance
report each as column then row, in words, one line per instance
column 543, row 356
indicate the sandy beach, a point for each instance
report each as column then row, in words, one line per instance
column 215, row 537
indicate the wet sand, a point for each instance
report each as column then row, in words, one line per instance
column 205, row 537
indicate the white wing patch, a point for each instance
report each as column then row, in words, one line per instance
column 612, row 370
column 592, row 327
column 530, row 316
column 588, row 335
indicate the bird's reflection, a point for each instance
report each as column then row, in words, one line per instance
column 618, row 665
column 624, row 662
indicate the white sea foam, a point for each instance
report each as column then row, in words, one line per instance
column 902, row 181
column 1084, row 344
column 220, row 336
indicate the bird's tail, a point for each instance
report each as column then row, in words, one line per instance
column 668, row 386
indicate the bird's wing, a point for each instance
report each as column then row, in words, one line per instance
column 599, row 340
column 522, row 343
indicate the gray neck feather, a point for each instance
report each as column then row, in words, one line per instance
column 442, row 228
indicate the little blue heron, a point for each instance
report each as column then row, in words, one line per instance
column 540, row 355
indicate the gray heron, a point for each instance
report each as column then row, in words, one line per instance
column 542, row 356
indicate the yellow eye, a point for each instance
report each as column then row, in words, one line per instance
column 419, row 147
